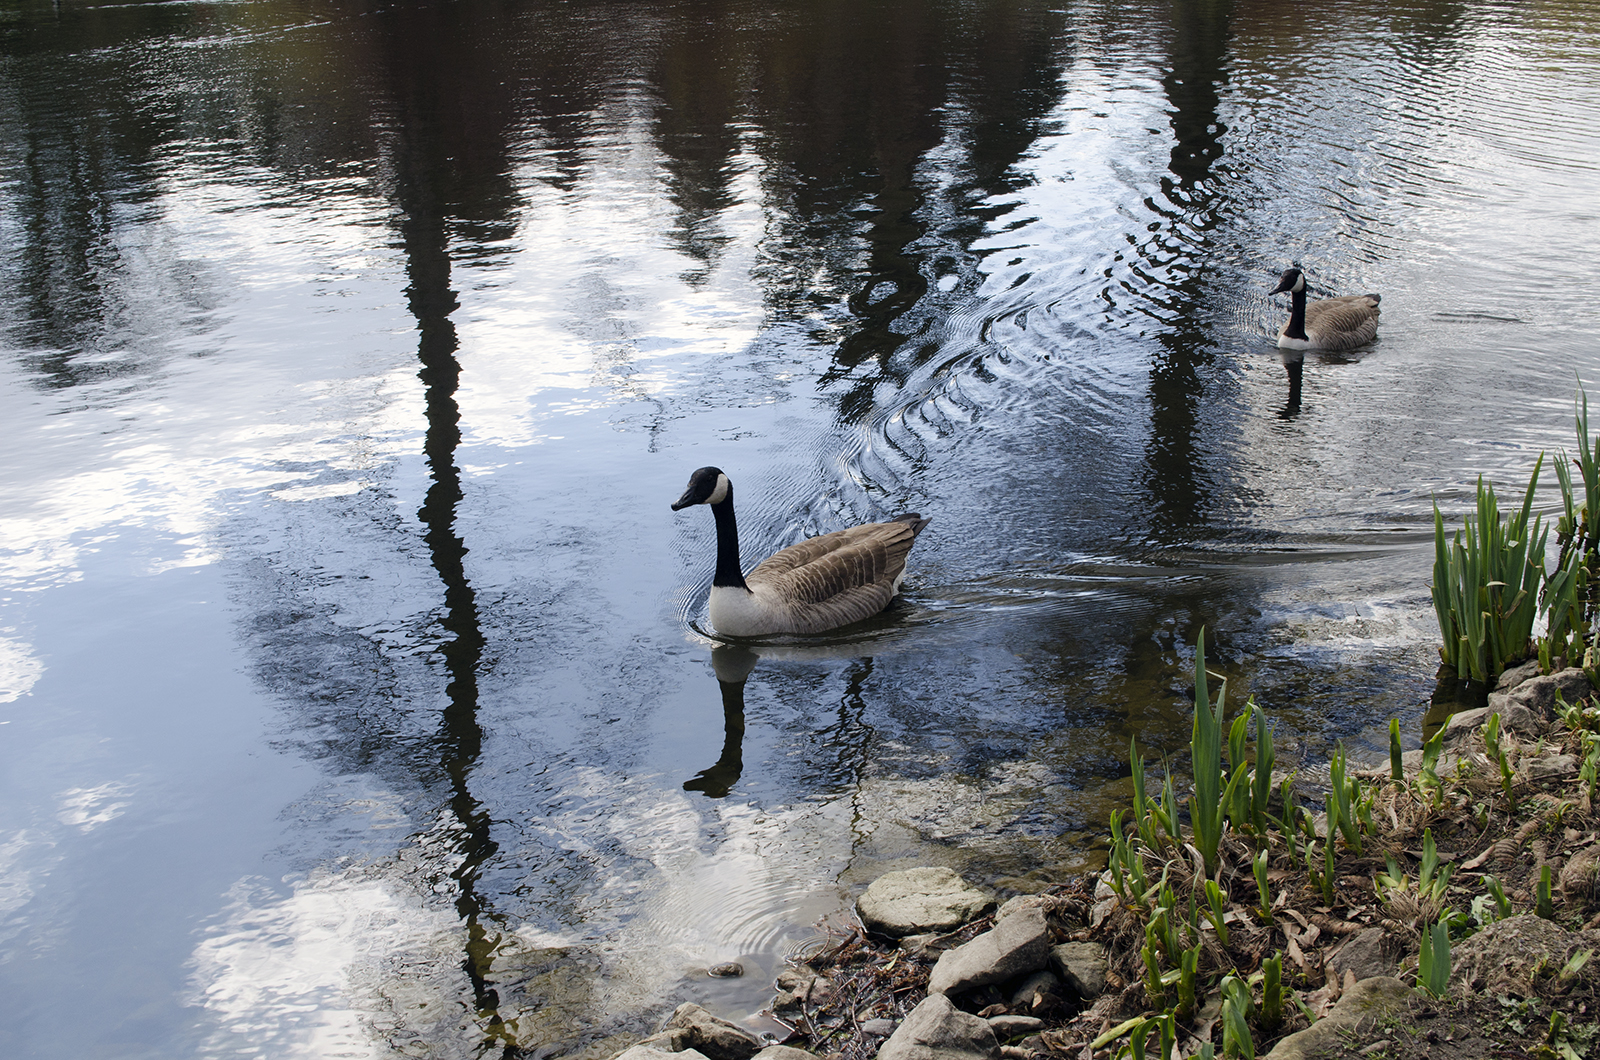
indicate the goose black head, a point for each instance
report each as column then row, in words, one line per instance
column 706, row 486
column 1291, row 280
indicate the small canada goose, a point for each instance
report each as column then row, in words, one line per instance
column 1330, row 324
column 820, row 584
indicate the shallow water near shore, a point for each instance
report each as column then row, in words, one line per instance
column 355, row 691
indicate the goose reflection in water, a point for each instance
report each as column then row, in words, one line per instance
column 1294, row 363
column 732, row 665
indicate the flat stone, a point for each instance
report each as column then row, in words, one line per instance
column 920, row 900
column 1019, row 943
column 878, row 1027
column 1367, row 953
column 1549, row 766
column 713, row 1036
column 781, row 1052
column 1082, row 966
column 1359, row 1010
column 937, row 1030
column 644, row 1051
column 1015, row 1026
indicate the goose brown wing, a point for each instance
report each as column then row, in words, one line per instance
column 1343, row 323
column 841, row 609
column 836, row 565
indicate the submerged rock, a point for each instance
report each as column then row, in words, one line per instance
column 713, row 1036
column 918, row 901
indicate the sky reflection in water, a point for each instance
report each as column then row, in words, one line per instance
column 352, row 699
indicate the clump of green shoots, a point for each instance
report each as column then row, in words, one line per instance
column 1263, row 887
column 1497, row 755
column 1486, row 584
column 1544, row 905
column 1209, row 802
column 1345, row 802
column 1397, row 770
column 1433, row 964
column 1236, row 1012
column 1492, row 906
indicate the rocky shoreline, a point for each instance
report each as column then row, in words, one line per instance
column 936, row 972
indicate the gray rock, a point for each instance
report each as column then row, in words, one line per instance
column 1538, row 694
column 1368, row 953
column 1361, row 1008
column 1019, row 943
column 780, row 1052
column 1573, row 684
column 645, row 1051
column 674, row 1041
column 878, row 1027
column 1082, row 966
column 1524, row 722
column 915, row 901
column 1513, row 677
column 937, row 1030
column 717, row 1038
column 1549, row 766
column 1460, row 727
column 1039, row 992
column 1015, row 1026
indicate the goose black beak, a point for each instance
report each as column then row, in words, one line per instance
column 1283, row 285
column 684, row 501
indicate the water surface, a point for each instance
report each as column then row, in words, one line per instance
column 357, row 697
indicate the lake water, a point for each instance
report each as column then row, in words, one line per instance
column 355, row 695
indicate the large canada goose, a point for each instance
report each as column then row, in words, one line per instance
column 820, row 584
column 1330, row 324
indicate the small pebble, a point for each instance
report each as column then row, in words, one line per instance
column 878, row 1027
column 1376, row 1047
column 726, row 971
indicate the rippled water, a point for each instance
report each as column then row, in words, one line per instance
column 355, row 698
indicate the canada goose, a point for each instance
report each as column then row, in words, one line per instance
column 1330, row 324
column 820, row 584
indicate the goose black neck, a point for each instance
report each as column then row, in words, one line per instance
column 1297, row 315
column 728, row 573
